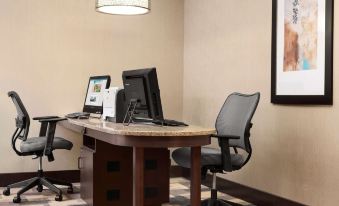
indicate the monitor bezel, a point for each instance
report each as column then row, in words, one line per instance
column 147, row 74
column 96, row 109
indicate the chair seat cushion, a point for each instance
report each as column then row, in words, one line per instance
column 209, row 157
column 36, row 144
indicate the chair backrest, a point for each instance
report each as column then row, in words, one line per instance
column 235, row 118
column 22, row 121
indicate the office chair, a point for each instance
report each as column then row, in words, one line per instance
column 37, row 147
column 233, row 126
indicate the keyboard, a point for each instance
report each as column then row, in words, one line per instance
column 80, row 115
column 169, row 122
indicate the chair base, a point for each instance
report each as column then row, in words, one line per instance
column 214, row 202
column 38, row 182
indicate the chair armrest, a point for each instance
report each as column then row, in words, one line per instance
column 45, row 117
column 225, row 150
column 48, row 151
column 53, row 120
column 225, row 155
column 44, row 124
column 225, row 136
column 48, row 127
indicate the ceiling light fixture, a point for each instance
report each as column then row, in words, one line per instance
column 123, row 7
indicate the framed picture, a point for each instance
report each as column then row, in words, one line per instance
column 302, row 52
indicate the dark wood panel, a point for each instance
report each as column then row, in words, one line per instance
column 195, row 176
column 113, row 175
column 138, row 176
column 86, row 175
column 157, row 175
column 113, row 182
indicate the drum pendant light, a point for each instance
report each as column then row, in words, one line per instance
column 123, row 7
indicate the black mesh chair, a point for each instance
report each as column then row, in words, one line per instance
column 37, row 147
column 233, row 126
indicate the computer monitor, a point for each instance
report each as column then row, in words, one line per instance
column 141, row 86
column 94, row 96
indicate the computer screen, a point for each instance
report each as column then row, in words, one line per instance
column 94, row 96
column 142, row 86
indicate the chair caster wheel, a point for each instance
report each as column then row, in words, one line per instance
column 70, row 190
column 17, row 199
column 6, row 192
column 58, row 198
column 39, row 188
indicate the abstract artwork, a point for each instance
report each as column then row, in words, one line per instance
column 300, row 47
column 302, row 37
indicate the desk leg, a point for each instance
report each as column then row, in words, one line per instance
column 195, row 176
column 138, row 176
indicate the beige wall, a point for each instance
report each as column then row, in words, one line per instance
column 296, row 148
column 50, row 48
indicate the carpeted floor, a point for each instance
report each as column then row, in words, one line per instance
column 179, row 196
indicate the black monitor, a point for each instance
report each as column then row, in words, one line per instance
column 94, row 96
column 141, row 86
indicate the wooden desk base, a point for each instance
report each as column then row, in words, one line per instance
column 107, row 174
column 140, row 146
column 195, row 176
column 138, row 174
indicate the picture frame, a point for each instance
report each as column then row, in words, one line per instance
column 302, row 52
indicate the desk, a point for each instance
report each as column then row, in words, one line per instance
column 140, row 138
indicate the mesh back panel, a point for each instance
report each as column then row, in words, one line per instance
column 22, row 115
column 235, row 118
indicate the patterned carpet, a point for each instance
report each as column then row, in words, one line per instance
column 179, row 196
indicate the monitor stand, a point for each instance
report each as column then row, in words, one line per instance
column 130, row 112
